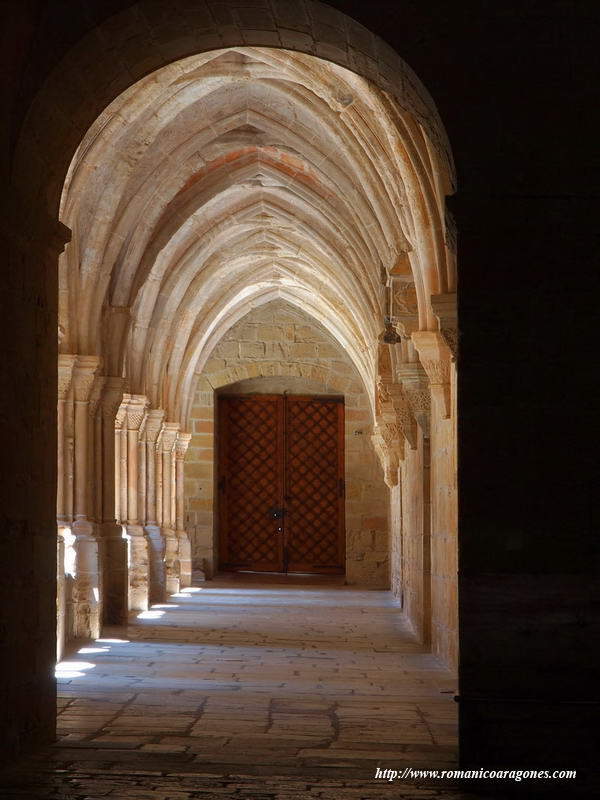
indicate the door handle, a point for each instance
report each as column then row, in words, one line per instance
column 276, row 513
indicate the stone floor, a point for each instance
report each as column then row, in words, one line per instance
column 248, row 687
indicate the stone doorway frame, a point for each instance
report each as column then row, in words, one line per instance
column 101, row 65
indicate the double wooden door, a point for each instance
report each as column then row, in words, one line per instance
column 281, row 483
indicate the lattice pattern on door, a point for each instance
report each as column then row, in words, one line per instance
column 281, row 505
column 313, row 481
column 253, row 479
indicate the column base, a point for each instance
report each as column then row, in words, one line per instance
column 138, row 568
column 171, row 560
column 156, row 558
column 87, row 606
column 185, row 558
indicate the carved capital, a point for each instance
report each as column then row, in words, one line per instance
column 121, row 415
column 154, row 423
column 66, row 364
column 403, row 413
column 112, row 396
column 137, row 405
column 435, row 358
column 96, row 394
column 415, row 385
column 84, row 373
column 444, row 308
column 182, row 444
column 169, row 436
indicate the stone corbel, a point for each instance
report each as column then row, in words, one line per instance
column 435, row 357
column 444, row 308
column 403, row 414
column 415, row 384
column 389, row 447
column 387, row 437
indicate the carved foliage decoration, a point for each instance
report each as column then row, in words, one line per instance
column 154, row 424
column 136, row 412
column 65, row 374
column 83, row 377
column 436, row 360
column 181, row 445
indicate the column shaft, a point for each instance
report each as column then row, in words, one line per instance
column 169, row 436
column 86, row 589
column 138, row 546
column 114, row 546
column 153, row 484
column 183, row 540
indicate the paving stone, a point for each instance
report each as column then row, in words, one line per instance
column 301, row 703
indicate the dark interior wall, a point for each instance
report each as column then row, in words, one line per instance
column 514, row 82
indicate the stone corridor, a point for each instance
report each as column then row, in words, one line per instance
column 249, row 687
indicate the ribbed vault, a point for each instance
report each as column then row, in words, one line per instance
column 228, row 179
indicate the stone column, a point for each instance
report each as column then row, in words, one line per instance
column 185, row 547
column 159, row 478
column 65, row 376
column 123, row 471
column 94, row 473
column 169, row 436
column 156, row 545
column 86, row 589
column 138, row 548
column 142, row 474
column 114, row 545
column 94, row 451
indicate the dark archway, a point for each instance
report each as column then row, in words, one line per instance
column 523, row 202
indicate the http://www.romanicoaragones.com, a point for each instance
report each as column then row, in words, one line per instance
column 410, row 773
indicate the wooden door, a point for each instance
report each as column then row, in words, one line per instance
column 314, row 465
column 281, row 483
column 251, row 482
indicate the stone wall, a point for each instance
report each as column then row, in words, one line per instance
column 278, row 348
